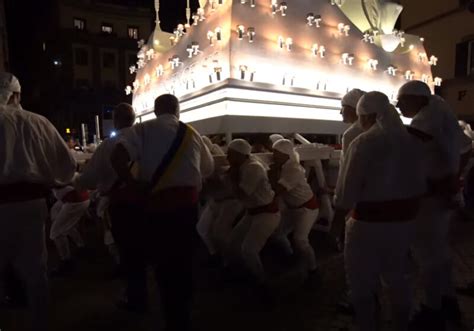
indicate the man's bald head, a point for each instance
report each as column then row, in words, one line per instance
column 167, row 104
column 124, row 116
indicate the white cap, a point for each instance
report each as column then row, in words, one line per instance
column 9, row 83
column 241, row 146
column 373, row 103
column 275, row 137
column 352, row 97
column 285, row 146
column 415, row 87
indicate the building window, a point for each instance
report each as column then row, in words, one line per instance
column 133, row 32
column 107, row 28
column 108, row 60
column 465, row 59
column 81, row 56
column 79, row 24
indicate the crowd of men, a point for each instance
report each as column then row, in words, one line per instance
column 396, row 193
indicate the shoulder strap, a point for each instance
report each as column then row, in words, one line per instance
column 424, row 137
column 169, row 156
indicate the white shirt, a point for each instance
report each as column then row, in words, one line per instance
column 98, row 172
column 443, row 152
column 255, row 184
column 376, row 169
column 293, row 179
column 147, row 143
column 31, row 150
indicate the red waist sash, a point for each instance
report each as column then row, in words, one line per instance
column 387, row 211
column 271, row 208
column 75, row 197
column 311, row 204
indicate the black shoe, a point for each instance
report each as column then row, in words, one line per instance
column 451, row 310
column 65, row 268
column 124, row 304
column 428, row 319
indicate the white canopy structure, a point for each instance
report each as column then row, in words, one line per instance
column 244, row 66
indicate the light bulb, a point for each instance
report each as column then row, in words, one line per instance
column 289, row 44
column 218, row 32
column 210, row 37
column 251, row 34
column 243, row 69
column 240, row 31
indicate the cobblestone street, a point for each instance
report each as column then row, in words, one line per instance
column 86, row 302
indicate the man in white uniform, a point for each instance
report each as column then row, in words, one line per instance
column 251, row 185
column 172, row 161
column 433, row 117
column 99, row 174
column 382, row 182
column 33, row 158
column 301, row 207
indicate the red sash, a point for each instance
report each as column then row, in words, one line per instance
column 271, row 208
column 75, row 197
column 311, row 204
column 387, row 211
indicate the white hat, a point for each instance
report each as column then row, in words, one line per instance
column 372, row 103
column 352, row 97
column 415, row 87
column 9, row 83
column 285, row 146
column 275, row 137
column 241, row 146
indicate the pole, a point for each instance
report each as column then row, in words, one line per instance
column 84, row 138
column 97, row 128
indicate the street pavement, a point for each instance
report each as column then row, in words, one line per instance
column 86, row 300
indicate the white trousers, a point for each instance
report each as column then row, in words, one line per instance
column 66, row 216
column 250, row 236
column 206, row 224
column 227, row 213
column 373, row 251
column 432, row 250
column 22, row 245
column 299, row 222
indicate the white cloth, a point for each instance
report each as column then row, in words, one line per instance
column 148, row 142
column 98, row 172
column 349, row 135
column 415, row 87
column 380, row 169
column 286, row 147
column 443, row 152
column 352, row 97
column 432, row 250
column 22, row 246
column 276, row 137
column 299, row 222
column 31, row 150
column 250, row 236
column 66, row 216
column 374, row 250
column 205, row 226
column 213, row 148
column 227, row 216
column 9, row 84
column 241, row 146
column 255, row 184
column 293, row 179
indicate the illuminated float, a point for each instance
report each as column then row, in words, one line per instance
column 245, row 66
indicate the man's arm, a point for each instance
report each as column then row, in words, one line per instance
column 120, row 159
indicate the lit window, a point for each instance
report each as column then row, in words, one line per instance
column 133, row 32
column 107, row 28
column 79, row 24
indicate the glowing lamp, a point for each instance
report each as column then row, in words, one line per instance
column 289, row 44
column 390, row 42
column 433, row 61
column 218, row 32
column 133, row 69
column 373, row 63
column 251, row 34
column 409, row 75
column 243, row 69
column 438, row 81
column 128, row 91
column 210, row 37
column 240, row 31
